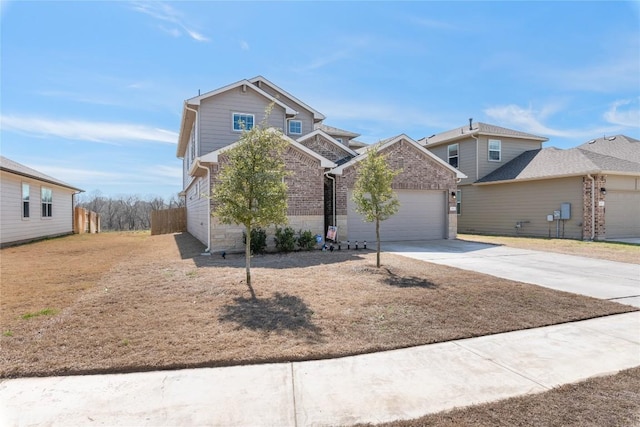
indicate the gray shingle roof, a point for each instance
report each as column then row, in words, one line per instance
column 478, row 128
column 554, row 162
column 22, row 170
column 335, row 131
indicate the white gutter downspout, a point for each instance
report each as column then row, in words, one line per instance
column 333, row 193
column 199, row 166
column 593, row 206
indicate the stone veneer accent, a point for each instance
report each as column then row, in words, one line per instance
column 588, row 208
column 419, row 172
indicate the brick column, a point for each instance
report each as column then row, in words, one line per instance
column 594, row 210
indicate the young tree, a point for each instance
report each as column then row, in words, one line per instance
column 252, row 191
column 373, row 195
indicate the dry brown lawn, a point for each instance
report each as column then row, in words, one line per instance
column 597, row 402
column 119, row 302
column 612, row 251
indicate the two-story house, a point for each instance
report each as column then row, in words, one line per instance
column 516, row 187
column 322, row 169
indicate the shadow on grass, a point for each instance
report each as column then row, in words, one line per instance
column 407, row 281
column 280, row 313
column 299, row 259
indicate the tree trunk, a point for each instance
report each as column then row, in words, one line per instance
column 377, row 243
column 247, row 256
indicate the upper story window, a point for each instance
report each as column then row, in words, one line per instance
column 495, row 154
column 339, row 140
column 46, row 197
column 242, row 121
column 25, row 200
column 452, row 155
column 295, row 127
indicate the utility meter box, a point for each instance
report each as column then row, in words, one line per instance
column 556, row 214
column 565, row 211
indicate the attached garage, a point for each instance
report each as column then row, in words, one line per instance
column 422, row 216
column 622, row 214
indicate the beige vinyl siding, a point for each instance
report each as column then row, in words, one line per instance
column 305, row 116
column 466, row 157
column 497, row 208
column 510, row 149
column 198, row 210
column 215, row 118
column 13, row 228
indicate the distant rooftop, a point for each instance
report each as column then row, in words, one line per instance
column 9, row 165
column 478, row 128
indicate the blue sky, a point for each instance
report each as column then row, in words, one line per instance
column 92, row 92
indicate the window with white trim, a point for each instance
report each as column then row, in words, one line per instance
column 242, row 121
column 495, row 154
column 339, row 140
column 452, row 155
column 46, row 198
column 459, row 202
column 295, row 127
column 25, row 200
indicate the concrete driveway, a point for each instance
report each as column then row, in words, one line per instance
column 602, row 279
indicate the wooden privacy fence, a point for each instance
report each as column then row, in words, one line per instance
column 167, row 221
column 85, row 221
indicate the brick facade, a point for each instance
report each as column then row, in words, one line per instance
column 325, row 148
column 419, row 172
column 593, row 211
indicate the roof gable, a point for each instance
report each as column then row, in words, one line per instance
column 336, row 131
column 328, row 138
column 213, row 156
column 388, row 143
column 9, row 165
column 317, row 116
column 476, row 129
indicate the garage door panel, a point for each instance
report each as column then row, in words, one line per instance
column 622, row 214
column 421, row 216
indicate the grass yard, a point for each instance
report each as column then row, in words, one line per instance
column 120, row 302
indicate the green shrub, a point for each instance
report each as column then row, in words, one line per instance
column 258, row 240
column 285, row 239
column 306, row 240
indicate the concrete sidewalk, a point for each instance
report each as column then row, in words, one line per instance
column 616, row 281
column 399, row 384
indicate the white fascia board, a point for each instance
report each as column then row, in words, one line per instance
column 339, row 169
column 316, row 114
column 329, row 138
column 324, row 162
column 198, row 99
column 559, row 176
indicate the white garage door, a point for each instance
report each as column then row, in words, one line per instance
column 622, row 214
column 422, row 216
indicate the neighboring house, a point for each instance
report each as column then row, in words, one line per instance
column 516, row 187
column 33, row 205
column 321, row 166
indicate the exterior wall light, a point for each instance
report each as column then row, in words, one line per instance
column 453, row 194
column 603, row 191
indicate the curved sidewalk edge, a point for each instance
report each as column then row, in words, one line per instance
column 372, row 388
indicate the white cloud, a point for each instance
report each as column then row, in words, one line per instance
column 164, row 12
column 432, row 23
column 530, row 120
column 104, row 132
column 626, row 118
column 244, row 45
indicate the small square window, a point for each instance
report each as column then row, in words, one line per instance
column 495, row 150
column 242, row 121
column 295, row 127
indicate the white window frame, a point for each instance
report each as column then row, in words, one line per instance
column 340, row 140
column 457, row 156
column 289, row 127
column 240, row 129
column 46, row 206
column 499, row 150
column 26, row 201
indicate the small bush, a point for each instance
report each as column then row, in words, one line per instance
column 306, row 240
column 258, row 240
column 285, row 239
